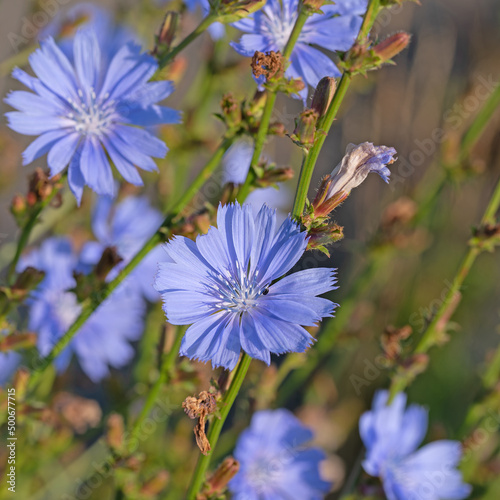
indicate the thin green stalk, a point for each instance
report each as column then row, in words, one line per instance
column 260, row 140
column 326, row 122
column 165, row 375
column 217, row 424
column 265, row 121
column 327, row 338
column 26, row 232
column 309, row 161
column 170, row 56
column 90, row 306
column 435, row 328
column 482, row 119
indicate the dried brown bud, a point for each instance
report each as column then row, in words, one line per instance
column 155, row 485
column 115, row 431
column 392, row 46
column 323, row 95
column 391, row 341
column 199, row 408
column 268, row 65
column 80, row 413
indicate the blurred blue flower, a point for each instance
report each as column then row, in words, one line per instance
column 127, row 226
column 235, row 167
column 236, row 161
column 392, row 435
column 270, row 28
column 65, row 25
column 86, row 111
column 104, row 340
column 275, row 462
column 9, row 361
column 224, row 286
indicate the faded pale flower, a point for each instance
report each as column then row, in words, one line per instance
column 354, row 168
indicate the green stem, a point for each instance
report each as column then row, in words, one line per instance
column 326, row 122
column 90, row 306
column 170, row 56
column 327, row 337
column 260, row 140
column 435, row 328
column 217, row 424
column 265, row 121
column 477, row 128
column 165, row 375
column 311, row 158
column 26, row 232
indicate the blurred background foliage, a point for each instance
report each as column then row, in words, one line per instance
column 403, row 244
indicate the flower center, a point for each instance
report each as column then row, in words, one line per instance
column 238, row 293
column 280, row 28
column 90, row 115
column 263, row 472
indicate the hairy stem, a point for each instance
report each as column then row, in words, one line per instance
column 217, row 424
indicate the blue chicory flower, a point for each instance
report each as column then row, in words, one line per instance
column 269, row 30
column 65, row 25
column 392, row 435
column 126, row 226
column 84, row 111
column 104, row 340
column 224, row 285
column 275, row 461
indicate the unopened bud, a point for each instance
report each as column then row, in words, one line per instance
column 115, row 431
column 234, row 10
column 320, row 237
column 217, row 483
column 231, row 110
column 18, row 206
column 108, row 261
column 305, row 128
column 26, row 281
column 277, row 128
column 274, row 175
column 313, row 6
column 323, row 95
column 252, row 109
column 392, row 46
column 167, row 32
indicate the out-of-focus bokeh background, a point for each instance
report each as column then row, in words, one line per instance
column 403, row 242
